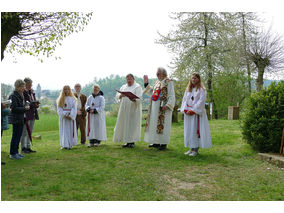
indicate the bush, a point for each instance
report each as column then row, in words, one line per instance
column 262, row 120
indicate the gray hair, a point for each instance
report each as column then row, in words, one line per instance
column 28, row 80
column 163, row 70
column 18, row 83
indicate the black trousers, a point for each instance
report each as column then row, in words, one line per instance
column 16, row 137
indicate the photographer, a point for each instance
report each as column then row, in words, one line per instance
column 16, row 117
column 30, row 116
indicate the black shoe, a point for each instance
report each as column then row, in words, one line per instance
column 163, row 147
column 3, row 163
column 131, row 145
column 125, row 145
column 30, row 150
column 25, row 150
column 154, row 145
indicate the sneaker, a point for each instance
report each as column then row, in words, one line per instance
column 188, row 152
column 193, row 153
column 30, row 150
column 154, row 145
column 96, row 144
column 131, row 145
column 21, row 156
column 15, row 157
column 125, row 145
column 90, row 145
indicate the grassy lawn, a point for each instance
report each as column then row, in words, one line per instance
column 228, row 171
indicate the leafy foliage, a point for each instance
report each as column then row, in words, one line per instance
column 38, row 33
column 263, row 118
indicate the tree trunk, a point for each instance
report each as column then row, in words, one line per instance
column 245, row 52
column 259, row 80
column 10, row 26
column 175, row 115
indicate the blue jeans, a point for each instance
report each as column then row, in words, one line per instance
column 16, row 137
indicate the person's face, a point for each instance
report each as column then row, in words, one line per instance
column 130, row 81
column 29, row 86
column 67, row 91
column 96, row 90
column 77, row 88
column 194, row 80
column 160, row 75
column 20, row 89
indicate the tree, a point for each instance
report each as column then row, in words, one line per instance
column 267, row 53
column 199, row 42
column 38, row 33
column 6, row 90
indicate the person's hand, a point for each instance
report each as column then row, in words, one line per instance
column 36, row 105
column 145, row 79
column 79, row 112
column 67, row 117
column 165, row 108
column 121, row 96
column 27, row 107
column 92, row 111
column 190, row 112
column 133, row 100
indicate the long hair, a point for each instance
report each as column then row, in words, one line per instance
column 198, row 85
column 61, row 99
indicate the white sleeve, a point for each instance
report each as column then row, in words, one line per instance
column 88, row 103
column 138, row 92
column 148, row 90
column 73, row 113
column 183, row 104
column 171, row 96
column 200, row 105
column 102, row 105
column 60, row 111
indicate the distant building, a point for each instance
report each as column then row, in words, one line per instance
column 38, row 91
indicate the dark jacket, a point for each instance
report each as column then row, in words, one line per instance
column 83, row 99
column 17, row 109
column 32, row 112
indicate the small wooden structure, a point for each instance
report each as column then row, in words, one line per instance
column 233, row 112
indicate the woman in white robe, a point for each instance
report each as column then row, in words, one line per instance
column 196, row 126
column 67, row 111
column 129, row 119
column 96, row 124
column 162, row 102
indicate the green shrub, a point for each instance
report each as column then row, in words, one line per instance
column 262, row 120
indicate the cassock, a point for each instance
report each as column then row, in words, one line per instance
column 67, row 128
column 159, row 123
column 96, row 124
column 196, row 127
column 128, row 124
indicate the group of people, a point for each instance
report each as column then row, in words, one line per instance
column 75, row 111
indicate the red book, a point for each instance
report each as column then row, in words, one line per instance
column 130, row 95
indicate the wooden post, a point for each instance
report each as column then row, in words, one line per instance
column 282, row 142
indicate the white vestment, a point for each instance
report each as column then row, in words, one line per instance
column 151, row 135
column 128, row 124
column 67, row 128
column 96, row 124
column 195, row 101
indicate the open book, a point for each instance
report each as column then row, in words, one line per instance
column 130, row 95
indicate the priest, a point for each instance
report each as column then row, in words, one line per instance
column 128, row 124
column 159, row 118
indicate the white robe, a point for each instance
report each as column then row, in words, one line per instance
column 197, row 105
column 151, row 136
column 97, row 121
column 67, row 128
column 128, row 124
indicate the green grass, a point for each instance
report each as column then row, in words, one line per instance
column 228, row 171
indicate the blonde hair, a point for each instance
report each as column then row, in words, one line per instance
column 61, row 99
column 198, row 85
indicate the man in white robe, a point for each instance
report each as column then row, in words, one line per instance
column 96, row 124
column 67, row 123
column 159, row 119
column 128, row 124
